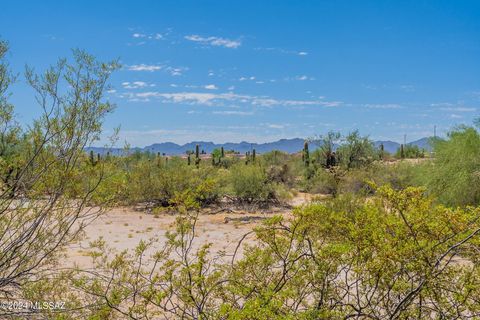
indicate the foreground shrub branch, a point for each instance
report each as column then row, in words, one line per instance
column 42, row 207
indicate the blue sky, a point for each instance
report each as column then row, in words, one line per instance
column 262, row 70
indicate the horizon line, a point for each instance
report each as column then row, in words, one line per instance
column 247, row 142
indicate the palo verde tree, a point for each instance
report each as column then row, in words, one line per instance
column 356, row 151
column 43, row 205
column 341, row 156
column 455, row 175
column 326, row 147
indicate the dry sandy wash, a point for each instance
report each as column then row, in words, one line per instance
column 123, row 228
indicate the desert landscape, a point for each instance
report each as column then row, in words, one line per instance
column 257, row 160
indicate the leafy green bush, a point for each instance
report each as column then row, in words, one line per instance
column 274, row 158
column 398, row 176
column 249, row 183
column 322, row 182
column 283, row 168
column 153, row 179
column 455, row 176
column 356, row 151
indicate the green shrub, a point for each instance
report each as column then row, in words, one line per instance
column 399, row 176
column 338, row 181
column 274, row 158
column 455, row 175
column 322, row 182
column 356, row 181
column 356, row 151
column 149, row 180
column 249, row 183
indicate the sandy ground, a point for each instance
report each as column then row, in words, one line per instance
column 123, row 228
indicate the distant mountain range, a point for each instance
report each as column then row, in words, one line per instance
column 285, row 145
column 392, row 147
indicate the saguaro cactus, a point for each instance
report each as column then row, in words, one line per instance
column 402, row 151
column 92, row 158
column 197, row 156
column 159, row 160
column 98, row 157
column 189, row 160
column 247, row 157
column 382, row 150
column 306, row 154
column 254, row 155
column 222, row 152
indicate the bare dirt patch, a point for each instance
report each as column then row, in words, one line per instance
column 124, row 227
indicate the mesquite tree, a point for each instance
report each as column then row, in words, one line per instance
column 43, row 205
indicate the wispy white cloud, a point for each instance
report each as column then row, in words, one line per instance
column 452, row 107
column 292, row 78
column 459, row 109
column 407, row 88
column 455, row 116
column 153, row 36
column 474, row 94
column 51, row 37
column 383, row 106
column 234, row 113
column 312, row 103
column 299, row 78
column 136, row 85
column 385, row 86
column 442, row 104
column 283, row 51
column 214, row 41
column 144, row 67
column 246, row 78
column 140, row 38
column 183, row 97
column 211, row 87
column 176, row 71
column 302, row 78
column 275, row 126
column 219, row 99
